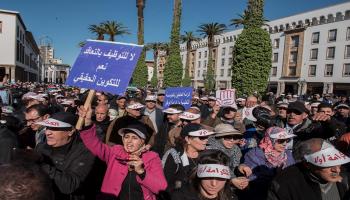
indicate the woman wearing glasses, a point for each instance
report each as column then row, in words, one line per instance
column 227, row 139
column 267, row 159
column 178, row 162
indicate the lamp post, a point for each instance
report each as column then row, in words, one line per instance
column 301, row 83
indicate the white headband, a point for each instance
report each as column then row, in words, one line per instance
column 54, row 123
column 213, row 171
column 328, row 157
column 200, row 133
column 189, row 116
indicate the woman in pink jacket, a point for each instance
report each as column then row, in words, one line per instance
column 132, row 171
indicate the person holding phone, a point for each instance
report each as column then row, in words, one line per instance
column 132, row 172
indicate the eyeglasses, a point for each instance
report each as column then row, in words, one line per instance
column 282, row 141
column 282, row 108
column 203, row 138
column 31, row 121
column 232, row 137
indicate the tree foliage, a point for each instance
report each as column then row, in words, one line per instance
column 140, row 75
column 114, row 28
column 173, row 68
column 252, row 53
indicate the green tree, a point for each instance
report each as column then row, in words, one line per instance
column 173, row 67
column 209, row 31
column 114, row 28
column 140, row 75
column 99, row 30
column 252, row 52
column 188, row 38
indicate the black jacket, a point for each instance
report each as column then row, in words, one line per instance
column 67, row 166
column 294, row 183
column 8, row 141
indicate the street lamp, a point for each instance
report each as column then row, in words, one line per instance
column 301, row 83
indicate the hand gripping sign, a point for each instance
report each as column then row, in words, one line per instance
column 213, row 171
column 327, row 157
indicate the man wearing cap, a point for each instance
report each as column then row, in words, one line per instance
column 172, row 125
column 160, row 98
column 64, row 158
column 342, row 114
column 318, row 175
column 320, row 126
column 33, row 114
column 155, row 114
column 281, row 117
column 121, row 105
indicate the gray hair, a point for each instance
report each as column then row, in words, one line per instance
column 307, row 147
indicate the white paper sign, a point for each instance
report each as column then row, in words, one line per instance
column 227, row 97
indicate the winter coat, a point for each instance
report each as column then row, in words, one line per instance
column 8, row 141
column 294, row 183
column 115, row 157
column 67, row 168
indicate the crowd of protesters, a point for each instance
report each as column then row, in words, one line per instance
column 131, row 148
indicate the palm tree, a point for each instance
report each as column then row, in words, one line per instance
column 209, row 31
column 99, row 30
column 243, row 19
column 140, row 4
column 188, row 38
column 113, row 28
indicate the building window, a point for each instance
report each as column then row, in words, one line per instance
column 199, row 55
column 346, row 70
column 295, row 41
column 205, row 64
column 275, row 57
column 312, row 70
column 332, row 35
column 205, row 54
column 222, row 62
column 231, row 50
column 330, row 52
column 230, row 61
column 0, row 26
column 223, row 51
column 199, row 64
column 221, row 72
column 274, row 71
column 348, row 33
column 315, row 38
column 17, row 31
column 276, row 43
column 313, row 54
column 328, row 70
column 293, row 57
column 292, row 71
column 229, row 72
column 347, row 51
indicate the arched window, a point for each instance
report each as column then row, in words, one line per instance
column 275, row 29
column 314, row 21
column 307, row 22
column 287, row 27
column 281, row 28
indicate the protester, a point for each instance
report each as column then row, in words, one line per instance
column 179, row 161
column 160, row 98
column 172, row 125
column 209, row 180
column 37, row 113
column 101, row 120
column 24, row 182
column 227, row 139
column 317, row 176
column 267, row 160
column 132, row 171
column 64, row 158
column 155, row 114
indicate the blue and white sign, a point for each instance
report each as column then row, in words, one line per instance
column 104, row 66
column 178, row 95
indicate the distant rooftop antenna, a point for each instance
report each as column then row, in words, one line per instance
column 45, row 41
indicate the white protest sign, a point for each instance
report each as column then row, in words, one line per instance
column 227, row 97
column 248, row 113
